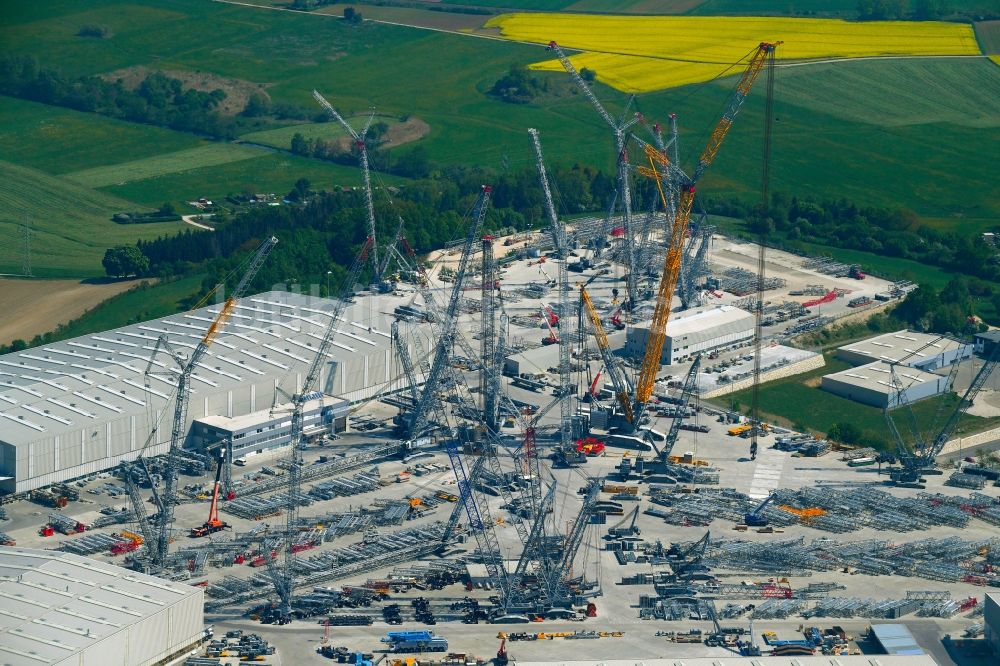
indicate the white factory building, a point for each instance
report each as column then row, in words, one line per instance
column 65, row 610
column 695, row 331
column 83, row 405
column 924, row 351
column 873, row 384
column 255, row 432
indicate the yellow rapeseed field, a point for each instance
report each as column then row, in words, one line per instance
column 644, row 53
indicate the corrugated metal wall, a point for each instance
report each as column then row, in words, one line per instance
column 102, row 445
column 150, row 640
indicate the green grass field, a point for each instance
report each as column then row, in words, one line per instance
column 210, row 155
column 71, row 224
column 798, row 401
column 938, row 166
column 58, row 140
column 267, row 173
column 914, row 133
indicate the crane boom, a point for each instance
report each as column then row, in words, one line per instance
column 558, row 231
column 182, row 398
column 141, row 517
column 309, row 386
column 686, row 392
column 448, row 326
column 359, row 142
column 578, row 80
column 622, row 390
column 406, row 361
column 675, row 250
column 575, row 537
column 566, row 389
column 970, row 395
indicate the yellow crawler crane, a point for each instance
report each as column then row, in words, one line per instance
column 675, row 250
column 622, row 390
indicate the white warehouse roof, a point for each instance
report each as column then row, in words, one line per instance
column 85, row 404
column 708, row 321
column 69, row 385
column 877, row 376
column 57, row 605
column 910, row 347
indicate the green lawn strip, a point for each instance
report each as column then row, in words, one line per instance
column 798, row 401
column 58, row 140
column 209, row 155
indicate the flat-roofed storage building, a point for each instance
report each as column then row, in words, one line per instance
column 873, row 384
column 83, row 405
column 66, row 610
column 924, row 351
column 695, row 331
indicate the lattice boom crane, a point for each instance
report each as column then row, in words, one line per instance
column 359, row 142
column 675, row 250
column 309, row 386
column 182, row 397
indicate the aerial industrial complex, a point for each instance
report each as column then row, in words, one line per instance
column 516, row 449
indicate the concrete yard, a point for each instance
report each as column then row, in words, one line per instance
column 617, row 604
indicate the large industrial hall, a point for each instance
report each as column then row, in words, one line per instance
column 81, row 406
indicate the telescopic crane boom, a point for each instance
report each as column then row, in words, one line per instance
column 213, row 524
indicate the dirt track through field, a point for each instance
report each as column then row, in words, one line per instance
column 32, row 307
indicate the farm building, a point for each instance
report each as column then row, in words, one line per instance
column 985, row 342
column 695, row 331
column 83, row 405
column 923, row 351
column 63, row 609
column 873, row 385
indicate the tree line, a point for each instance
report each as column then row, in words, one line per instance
column 794, row 222
column 157, row 100
column 325, row 233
